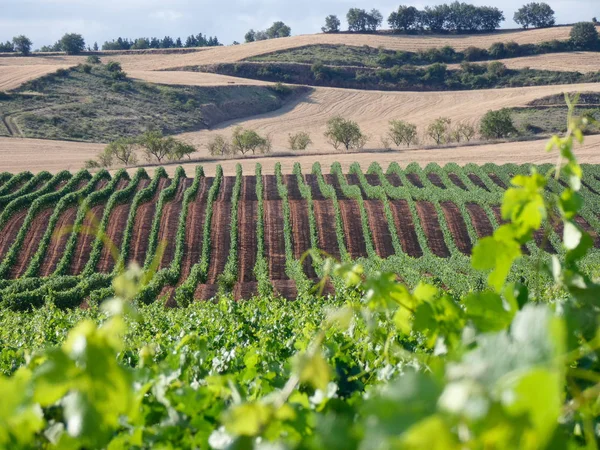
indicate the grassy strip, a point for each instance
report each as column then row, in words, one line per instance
column 261, row 268
column 184, row 294
column 228, row 278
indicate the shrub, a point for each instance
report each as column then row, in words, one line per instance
column 22, row 44
column 219, row 146
column 497, row 125
column 345, row 132
column 402, row 132
column 496, row 69
column 299, row 141
column 72, row 43
column 85, row 68
column 114, row 66
column 497, row 50
column 584, row 35
column 245, row 141
column 475, row 54
column 93, row 59
column 439, row 130
column 332, row 24
column 534, row 14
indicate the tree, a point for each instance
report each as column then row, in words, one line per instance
column 402, row 132
column 299, row 141
column 438, row 130
column 22, row 44
column 497, row 125
column 7, row 47
column 95, row 47
column 534, row 14
column 406, row 18
column 72, row 44
column 464, row 131
column 244, row 141
column 178, row 149
column 344, row 132
column 123, row 150
column 250, row 36
column 584, row 35
column 278, row 30
column 154, row 145
column 361, row 20
column 332, row 24
column 219, row 146
column 141, row 44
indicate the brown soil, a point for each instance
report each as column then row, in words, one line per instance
column 286, row 289
column 313, row 183
column 226, row 189
column 247, row 245
column 457, row 181
column 85, row 239
column 432, row 229
column 59, row 240
column 477, row 181
column 436, row 180
column 192, row 250
column 244, row 291
column 270, row 191
column 115, row 230
column 249, row 189
column 301, row 234
column 373, row 179
column 10, row 231
column 382, row 237
column 325, row 219
column 496, row 179
column 206, row 291
column 220, row 240
column 480, row 220
column 414, row 179
column 274, row 239
column 291, row 183
column 333, row 181
column 355, row 239
column 31, row 243
column 406, row 228
column 457, row 227
column 395, row 179
column 353, row 180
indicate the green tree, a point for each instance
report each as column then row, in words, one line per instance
column 72, row 43
column 179, row 150
column 154, row 145
column 332, row 24
column 299, row 141
column 497, row 125
column 219, row 146
column 123, row 150
column 584, row 35
column 361, row 20
column 347, row 133
column 244, row 141
column 402, row 132
column 538, row 15
column 22, row 44
column 439, row 129
column 278, row 30
column 405, row 18
column 93, row 59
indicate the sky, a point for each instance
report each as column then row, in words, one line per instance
column 45, row 21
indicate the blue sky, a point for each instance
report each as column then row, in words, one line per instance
column 44, row 21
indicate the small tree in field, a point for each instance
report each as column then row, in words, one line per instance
column 179, row 149
column 22, row 44
column 465, row 131
column 584, row 35
column 219, row 146
column 72, row 43
column 497, row 125
column 402, row 132
column 123, row 150
column 438, row 130
column 299, row 141
column 332, row 24
column 154, row 145
column 245, row 141
column 342, row 132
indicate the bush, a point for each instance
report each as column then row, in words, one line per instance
column 299, row 141
column 219, row 146
column 114, row 66
column 332, row 24
column 475, row 54
column 93, row 59
column 245, row 141
column 85, row 68
column 439, row 130
column 402, row 132
column 539, row 15
column 345, row 132
column 496, row 69
column 22, row 44
column 584, row 35
column 72, row 43
column 497, row 125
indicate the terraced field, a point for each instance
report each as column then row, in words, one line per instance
column 65, row 236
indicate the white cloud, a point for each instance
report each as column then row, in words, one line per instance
column 167, row 14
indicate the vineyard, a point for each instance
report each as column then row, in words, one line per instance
column 64, row 237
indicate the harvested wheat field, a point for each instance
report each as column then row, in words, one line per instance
column 582, row 62
column 11, row 77
column 191, row 78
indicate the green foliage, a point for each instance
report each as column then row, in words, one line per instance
column 346, row 133
column 299, row 141
column 93, row 59
column 219, row 146
column 245, row 140
column 332, row 24
column 538, row 15
column 403, row 133
column 439, row 130
column 584, row 35
column 497, row 125
column 72, row 44
column 22, row 44
column 362, row 21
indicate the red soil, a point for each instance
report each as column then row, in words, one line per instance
column 247, row 240
column 477, row 181
column 206, row 291
column 10, row 231
column 31, row 243
column 226, row 189
column 115, row 230
column 406, row 228
column 457, row 227
column 435, row 179
column 414, row 179
column 382, row 237
column 395, row 179
column 301, row 234
column 353, row 230
column 457, row 181
column 373, row 179
column 432, row 229
column 481, row 222
column 496, row 179
column 274, row 239
column 325, row 220
column 220, row 240
column 270, row 191
column 59, row 240
column 249, row 189
column 353, row 180
column 245, row 290
column 312, row 182
column 169, row 223
column 86, row 238
column 333, row 181
column 285, row 288
column 291, row 182
column 143, row 225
